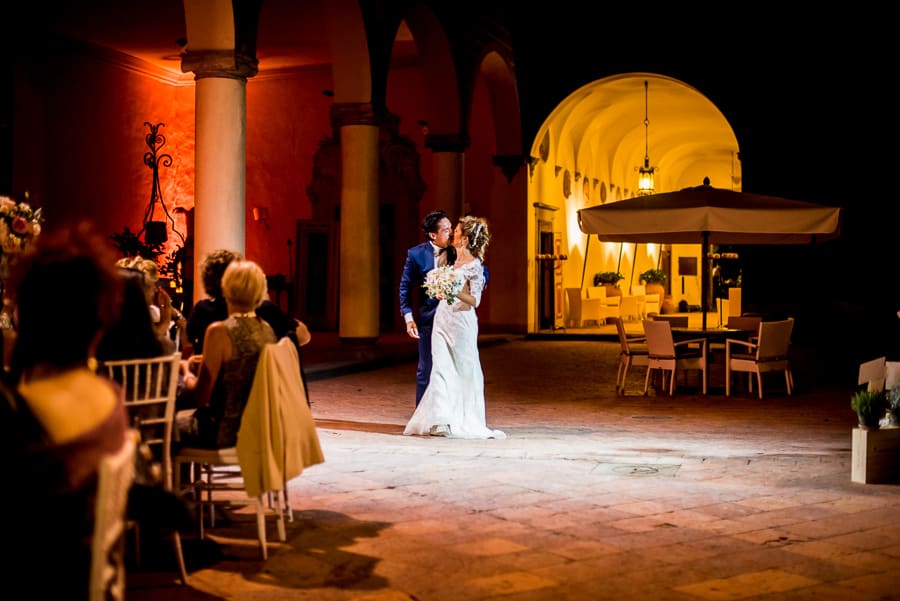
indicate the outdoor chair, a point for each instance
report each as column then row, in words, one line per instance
column 666, row 355
column 769, row 353
column 583, row 309
column 872, row 374
column 634, row 352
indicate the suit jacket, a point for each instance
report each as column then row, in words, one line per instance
column 419, row 261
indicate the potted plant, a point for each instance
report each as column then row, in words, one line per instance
column 655, row 283
column 609, row 280
column 869, row 406
column 654, row 276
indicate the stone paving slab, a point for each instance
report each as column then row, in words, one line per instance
column 592, row 496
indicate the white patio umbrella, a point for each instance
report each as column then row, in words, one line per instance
column 706, row 215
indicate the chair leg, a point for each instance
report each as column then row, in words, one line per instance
column 727, row 381
column 647, row 380
column 179, row 556
column 671, row 382
column 261, row 525
column 759, row 383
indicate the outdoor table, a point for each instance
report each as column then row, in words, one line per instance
column 713, row 336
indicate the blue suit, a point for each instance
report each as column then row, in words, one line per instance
column 419, row 261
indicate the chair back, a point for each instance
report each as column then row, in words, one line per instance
column 651, row 304
column 624, row 342
column 891, row 374
column 749, row 323
column 774, row 339
column 872, row 374
column 639, row 290
column 659, row 338
column 114, row 478
column 620, row 330
column 150, row 386
column 573, row 295
column 597, row 292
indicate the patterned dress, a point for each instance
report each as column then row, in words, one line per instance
column 218, row 424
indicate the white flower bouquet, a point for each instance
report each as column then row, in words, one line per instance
column 443, row 283
column 19, row 225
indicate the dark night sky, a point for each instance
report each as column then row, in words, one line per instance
column 801, row 95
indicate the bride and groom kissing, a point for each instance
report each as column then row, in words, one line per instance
column 449, row 378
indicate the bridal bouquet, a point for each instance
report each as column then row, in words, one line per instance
column 443, row 283
column 19, row 225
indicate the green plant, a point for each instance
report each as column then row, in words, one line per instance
column 653, row 276
column 608, row 277
column 869, row 405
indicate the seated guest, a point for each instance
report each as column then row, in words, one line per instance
column 213, row 308
column 231, row 349
column 59, row 419
column 131, row 335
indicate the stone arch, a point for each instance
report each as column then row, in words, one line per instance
column 598, row 131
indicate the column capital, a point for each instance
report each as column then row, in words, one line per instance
column 447, row 142
column 353, row 113
column 509, row 164
column 219, row 63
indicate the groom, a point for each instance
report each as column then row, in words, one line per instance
column 421, row 259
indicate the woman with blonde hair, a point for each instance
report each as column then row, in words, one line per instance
column 453, row 403
column 231, row 351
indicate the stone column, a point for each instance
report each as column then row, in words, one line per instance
column 358, row 317
column 220, row 124
column 448, row 155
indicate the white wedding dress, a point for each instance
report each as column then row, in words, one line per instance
column 455, row 393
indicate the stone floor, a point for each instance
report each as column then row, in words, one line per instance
column 592, row 496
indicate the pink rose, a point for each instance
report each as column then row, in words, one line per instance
column 19, row 225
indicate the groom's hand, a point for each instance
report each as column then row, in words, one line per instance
column 412, row 330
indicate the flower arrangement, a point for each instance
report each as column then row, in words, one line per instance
column 19, row 225
column 443, row 283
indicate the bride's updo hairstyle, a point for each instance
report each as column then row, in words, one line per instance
column 476, row 230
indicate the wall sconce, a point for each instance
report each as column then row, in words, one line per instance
column 261, row 214
column 154, row 230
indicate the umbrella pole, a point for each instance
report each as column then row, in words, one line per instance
column 587, row 247
column 633, row 262
column 704, row 273
column 619, row 264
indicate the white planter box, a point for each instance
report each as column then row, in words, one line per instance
column 875, row 456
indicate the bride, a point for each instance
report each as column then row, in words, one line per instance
column 453, row 403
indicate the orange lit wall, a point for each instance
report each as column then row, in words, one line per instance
column 79, row 140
